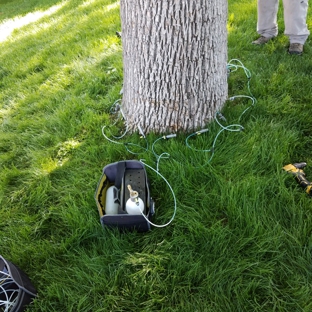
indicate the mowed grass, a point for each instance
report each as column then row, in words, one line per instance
column 241, row 237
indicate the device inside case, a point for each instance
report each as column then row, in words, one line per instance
column 120, row 175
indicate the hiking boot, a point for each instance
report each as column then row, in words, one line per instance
column 295, row 48
column 262, row 40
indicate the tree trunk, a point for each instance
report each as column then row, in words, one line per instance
column 174, row 58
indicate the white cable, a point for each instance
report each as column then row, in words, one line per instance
column 107, row 138
column 246, row 70
column 116, row 109
column 163, row 155
column 8, row 303
column 232, row 98
column 174, row 199
column 126, row 124
column 12, row 294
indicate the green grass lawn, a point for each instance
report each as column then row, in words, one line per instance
column 241, row 239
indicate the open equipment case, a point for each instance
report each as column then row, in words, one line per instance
column 120, row 174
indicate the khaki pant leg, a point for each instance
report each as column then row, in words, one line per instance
column 267, row 18
column 295, row 16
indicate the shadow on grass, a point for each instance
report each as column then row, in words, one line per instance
column 56, row 82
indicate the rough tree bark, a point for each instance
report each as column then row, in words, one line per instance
column 174, row 59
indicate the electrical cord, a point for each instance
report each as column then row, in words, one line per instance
column 116, row 109
column 236, row 127
column 233, row 67
column 11, row 295
column 218, row 116
column 163, row 155
column 173, row 195
column 231, row 128
column 232, row 98
column 196, row 134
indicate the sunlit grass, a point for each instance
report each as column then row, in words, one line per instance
column 9, row 25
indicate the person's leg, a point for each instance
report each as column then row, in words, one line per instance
column 295, row 16
column 267, row 18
